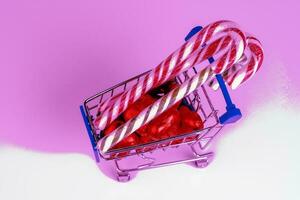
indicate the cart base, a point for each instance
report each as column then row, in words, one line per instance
column 199, row 161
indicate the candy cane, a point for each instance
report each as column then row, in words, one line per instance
column 154, row 110
column 246, row 68
column 224, row 62
column 103, row 105
column 217, row 37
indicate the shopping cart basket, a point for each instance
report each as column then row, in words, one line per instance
column 198, row 141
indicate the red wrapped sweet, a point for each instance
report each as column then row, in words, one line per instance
column 190, row 119
column 134, row 109
column 158, row 128
column 115, row 124
column 130, row 140
column 178, row 119
column 131, row 112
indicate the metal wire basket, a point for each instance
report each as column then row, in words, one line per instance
column 198, row 141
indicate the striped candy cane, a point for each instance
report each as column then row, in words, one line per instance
column 161, row 105
column 217, row 37
column 224, row 61
column 154, row 110
column 245, row 68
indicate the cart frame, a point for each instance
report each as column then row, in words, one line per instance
column 198, row 141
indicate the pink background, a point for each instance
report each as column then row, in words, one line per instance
column 54, row 54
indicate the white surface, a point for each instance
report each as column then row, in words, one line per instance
column 258, row 160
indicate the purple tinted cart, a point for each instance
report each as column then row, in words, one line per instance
column 198, row 101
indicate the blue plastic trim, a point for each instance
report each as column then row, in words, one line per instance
column 90, row 134
column 232, row 113
column 195, row 30
column 224, row 90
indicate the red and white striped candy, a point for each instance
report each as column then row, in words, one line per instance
column 217, row 37
column 154, row 110
column 163, row 104
column 245, row 69
column 230, row 56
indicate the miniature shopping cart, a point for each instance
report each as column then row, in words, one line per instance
column 198, row 101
